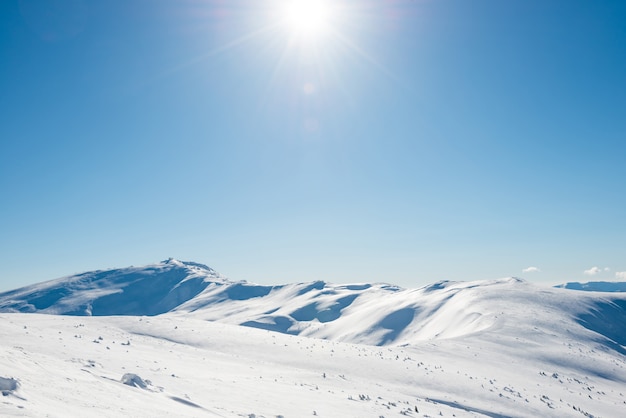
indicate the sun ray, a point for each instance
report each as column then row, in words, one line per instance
column 352, row 46
column 237, row 42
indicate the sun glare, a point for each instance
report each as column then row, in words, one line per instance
column 307, row 18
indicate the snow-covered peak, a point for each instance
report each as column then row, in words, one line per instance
column 190, row 264
column 148, row 290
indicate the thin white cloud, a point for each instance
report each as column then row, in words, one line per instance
column 607, row 269
column 620, row 275
column 593, row 271
column 531, row 269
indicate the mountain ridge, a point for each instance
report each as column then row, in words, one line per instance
column 598, row 286
column 362, row 313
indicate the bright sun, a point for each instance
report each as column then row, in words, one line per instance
column 307, row 18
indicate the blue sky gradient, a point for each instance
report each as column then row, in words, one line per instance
column 419, row 141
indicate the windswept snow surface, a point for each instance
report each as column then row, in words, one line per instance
column 501, row 348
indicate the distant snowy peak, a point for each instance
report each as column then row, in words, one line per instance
column 149, row 290
column 191, row 264
column 595, row 286
column 447, row 284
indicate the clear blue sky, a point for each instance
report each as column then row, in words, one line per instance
column 412, row 141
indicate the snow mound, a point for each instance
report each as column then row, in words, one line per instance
column 131, row 379
column 8, row 385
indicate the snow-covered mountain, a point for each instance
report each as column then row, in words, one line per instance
column 596, row 286
column 374, row 314
column 166, row 340
column 148, row 290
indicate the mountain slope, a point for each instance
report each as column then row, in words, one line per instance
column 176, row 366
column 149, row 290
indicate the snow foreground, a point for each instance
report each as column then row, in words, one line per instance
column 502, row 348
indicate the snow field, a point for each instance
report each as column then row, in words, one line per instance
column 73, row 366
